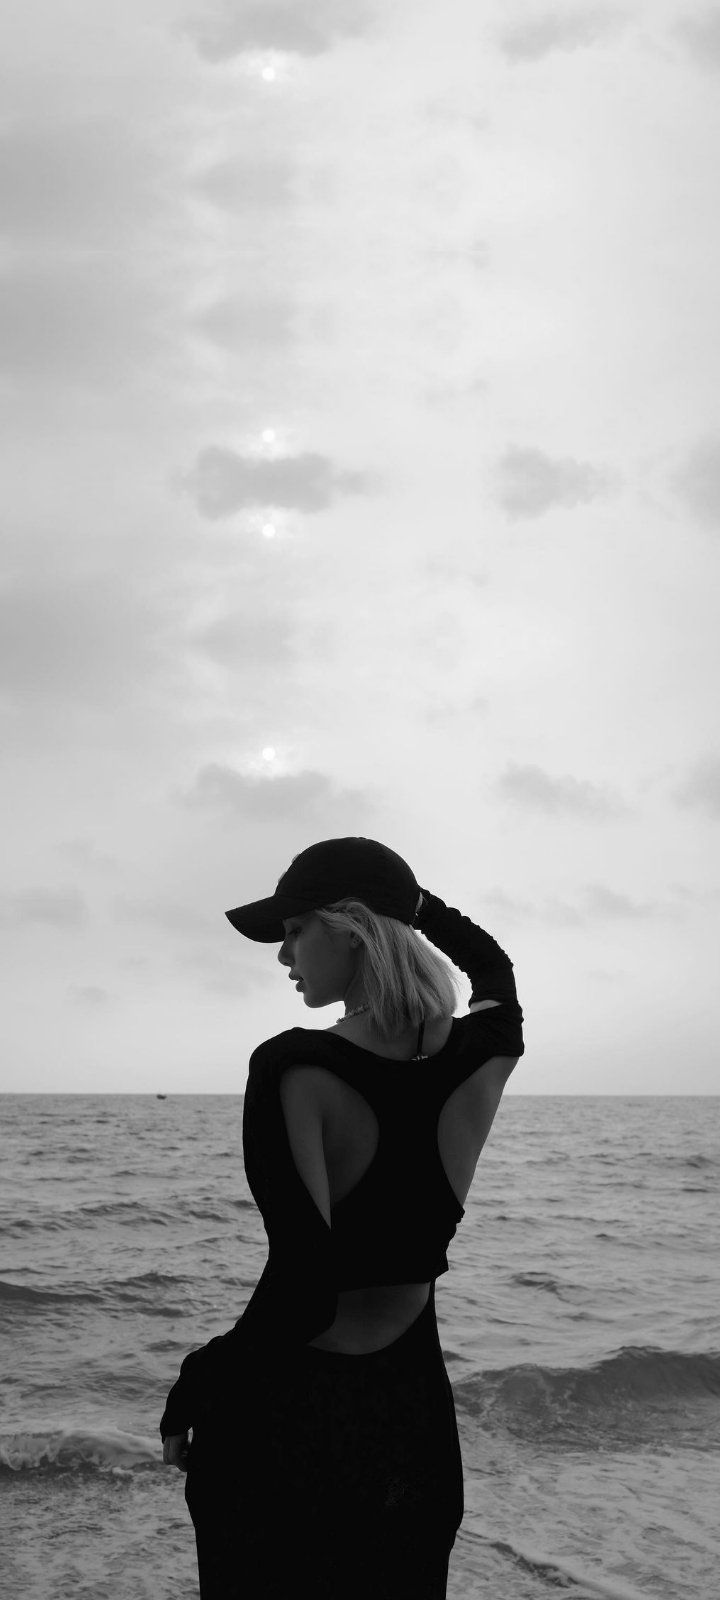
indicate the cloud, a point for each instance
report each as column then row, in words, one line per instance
column 170, row 917
column 83, row 180
column 260, row 324
column 560, row 29
column 512, row 910
column 597, row 901
column 534, row 789
column 60, row 908
column 459, row 390
column 223, row 482
column 68, row 320
column 94, row 642
column 449, row 112
column 692, row 896
column 530, row 482
column 701, row 36
column 260, row 184
column 604, row 902
column 701, row 789
column 90, row 996
column 309, row 29
column 88, row 640
column 698, row 482
column 444, row 570
column 437, row 712
column 84, row 853
column 260, row 639
column 294, row 795
column 560, row 914
column 226, row 974
column 507, row 905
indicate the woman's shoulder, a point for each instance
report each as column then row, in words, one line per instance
column 275, row 1046
column 292, row 1044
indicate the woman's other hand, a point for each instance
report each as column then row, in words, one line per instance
column 175, row 1451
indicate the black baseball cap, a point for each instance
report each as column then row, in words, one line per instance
column 334, row 869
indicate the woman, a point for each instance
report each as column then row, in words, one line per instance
column 325, row 1454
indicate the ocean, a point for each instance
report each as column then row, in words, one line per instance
column 580, row 1322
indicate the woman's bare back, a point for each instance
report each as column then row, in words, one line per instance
column 369, row 1318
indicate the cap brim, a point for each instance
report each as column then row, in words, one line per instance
column 262, row 920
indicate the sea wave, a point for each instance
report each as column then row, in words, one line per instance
column 77, row 1450
column 540, row 1280
column 698, row 1159
column 559, row 1573
column 640, row 1395
column 139, row 1291
column 22, row 1294
column 546, row 1569
column 140, row 1212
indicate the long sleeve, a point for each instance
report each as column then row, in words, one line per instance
column 475, row 952
column 296, row 1296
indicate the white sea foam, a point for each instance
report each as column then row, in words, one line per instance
column 74, row 1449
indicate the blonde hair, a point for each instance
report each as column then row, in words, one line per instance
column 403, row 978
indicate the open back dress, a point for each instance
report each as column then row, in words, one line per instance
column 328, row 1473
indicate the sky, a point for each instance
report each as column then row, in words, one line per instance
column 361, row 475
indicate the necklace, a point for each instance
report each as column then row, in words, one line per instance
column 355, row 1012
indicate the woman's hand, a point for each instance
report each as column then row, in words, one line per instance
column 175, row 1451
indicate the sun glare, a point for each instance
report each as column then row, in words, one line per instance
column 269, row 66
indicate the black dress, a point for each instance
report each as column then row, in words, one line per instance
column 345, row 1480
column 337, row 1474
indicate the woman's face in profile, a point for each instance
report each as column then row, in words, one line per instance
column 321, row 960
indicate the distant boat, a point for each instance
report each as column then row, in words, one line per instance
column 161, row 1097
